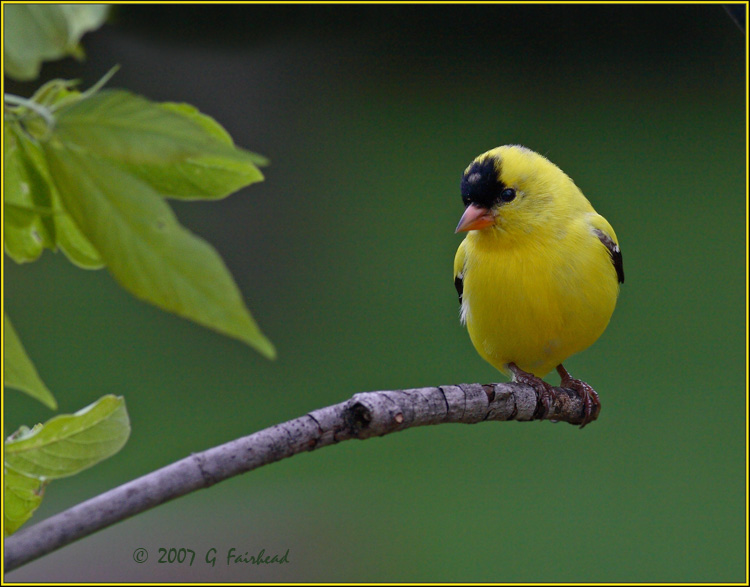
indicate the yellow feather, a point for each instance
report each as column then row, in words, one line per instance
column 538, row 284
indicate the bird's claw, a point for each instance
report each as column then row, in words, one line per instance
column 591, row 404
column 546, row 395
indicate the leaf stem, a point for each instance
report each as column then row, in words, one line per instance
column 37, row 108
column 88, row 93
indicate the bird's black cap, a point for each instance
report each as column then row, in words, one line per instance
column 481, row 184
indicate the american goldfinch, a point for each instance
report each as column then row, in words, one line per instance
column 538, row 273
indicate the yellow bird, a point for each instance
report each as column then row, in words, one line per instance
column 538, row 273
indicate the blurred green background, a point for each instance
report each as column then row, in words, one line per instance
column 369, row 115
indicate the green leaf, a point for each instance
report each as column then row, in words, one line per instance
column 146, row 249
column 203, row 176
column 38, row 32
column 26, row 232
column 65, row 445
column 210, row 125
column 19, row 370
column 207, row 123
column 34, row 218
column 178, row 151
column 76, row 247
column 124, row 127
column 22, row 496
column 20, row 228
column 68, row 444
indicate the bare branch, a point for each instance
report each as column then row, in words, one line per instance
column 363, row 416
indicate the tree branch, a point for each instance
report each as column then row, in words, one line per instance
column 363, row 416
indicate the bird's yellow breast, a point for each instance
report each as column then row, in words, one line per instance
column 538, row 300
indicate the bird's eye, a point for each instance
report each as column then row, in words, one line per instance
column 508, row 195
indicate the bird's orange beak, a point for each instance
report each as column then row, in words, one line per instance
column 475, row 218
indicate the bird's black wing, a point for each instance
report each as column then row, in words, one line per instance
column 459, row 283
column 614, row 252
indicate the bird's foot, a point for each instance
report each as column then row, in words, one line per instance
column 591, row 404
column 545, row 392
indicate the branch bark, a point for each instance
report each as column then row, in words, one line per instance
column 363, row 416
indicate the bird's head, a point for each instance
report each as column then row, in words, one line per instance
column 511, row 189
